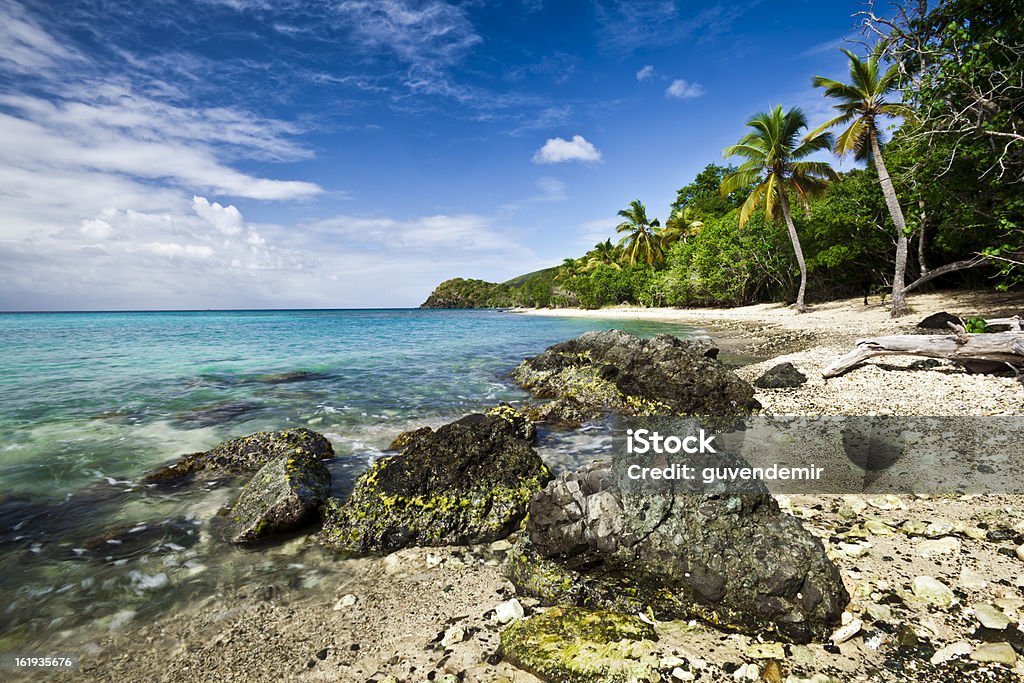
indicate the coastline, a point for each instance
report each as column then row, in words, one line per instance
column 386, row 618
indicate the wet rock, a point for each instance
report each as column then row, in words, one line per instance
column 289, row 377
column 996, row 653
column 247, row 454
column 468, row 482
column 521, row 423
column 282, row 495
column 932, row 591
column 734, row 561
column 406, row 438
column 616, row 371
column 565, row 411
column 939, row 321
column 781, row 376
column 573, row 645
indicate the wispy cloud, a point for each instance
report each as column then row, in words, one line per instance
column 681, row 89
column 559, row 150
column 25, row 46
column 645, row 72
column 628, row 25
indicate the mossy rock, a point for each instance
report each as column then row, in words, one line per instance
column 469, row 481
column 574, row 645
column 280, row 497
column 406, row 438
column 619, row 372
column 247, row 454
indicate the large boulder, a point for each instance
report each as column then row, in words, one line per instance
column 940, row 321
column 616, row 371
column 734, row 561
column 247, row 454
column 282, row 495
column 469, row 481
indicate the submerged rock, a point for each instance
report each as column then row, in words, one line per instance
column 573, row 645
column 248, row 454
column 467, row 482
column 781, row 376
column 279, row 497
column 616, row 371
column 733, row 561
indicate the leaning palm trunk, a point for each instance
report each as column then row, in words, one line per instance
column 899, row 294
column 795, row 239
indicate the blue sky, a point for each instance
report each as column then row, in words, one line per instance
column 353, row 153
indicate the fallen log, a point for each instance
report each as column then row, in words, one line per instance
column 996, row 347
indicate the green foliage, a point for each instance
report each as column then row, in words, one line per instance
column 975, row 325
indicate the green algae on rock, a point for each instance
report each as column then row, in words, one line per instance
column 279, row 497
column 617, row 371
column 469, row 481
column 574, row 645
column 247, row 454
column 735, row 562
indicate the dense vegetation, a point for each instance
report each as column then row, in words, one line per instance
column 942, row 202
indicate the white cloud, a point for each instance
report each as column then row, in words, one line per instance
column 646, row 72
column 24, row 46
column 227, row 219
column 684, row 90
column 419, row 33
column 558, row 150
column 551, row 190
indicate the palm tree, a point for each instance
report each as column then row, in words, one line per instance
column 603, row 254
column 773, row 151
column 680, row 225
column 641, row 241
column 569, row 269
column 862, row 102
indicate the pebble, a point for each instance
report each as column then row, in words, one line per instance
column 972, row 580
column 998, row 653
column 991, row 617
column 952, row 651
column 455, row 634
column 345, row 601
column 938, row 547
column 501, row 546
column 879, row 612
column 747, row 672
column 766, row 651
column 878, row 527
column 887, row 502
column 682, row 675
column 932, row 591
column 1020, row 552
column 844, row 633
column 508, row 611
column 854, row 550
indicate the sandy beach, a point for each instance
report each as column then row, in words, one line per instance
column 429, row 614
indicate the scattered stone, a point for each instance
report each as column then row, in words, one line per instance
column 932, row 591
column 996, row 653
column 509, row 610
column 468, row 482
column 682, row 675
column 991, row 617
column 281, row 496
column 939, row 547
column 573, row 645
column 844, row 633
column 454, row 635
column 925, row 364
column 344, row 601
column 887, row 502
column 939, row 321
column 616, row 371
column 950, row 652
column 248, row 454
column 781, row 376
column 879, row 612
column 747, row 672
column 878, row 527
column 1020, row 552
column 906, row 636
column 972, row 580
column 733, row 561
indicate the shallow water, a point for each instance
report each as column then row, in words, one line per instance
column 90, row 402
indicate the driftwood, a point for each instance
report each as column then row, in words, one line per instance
column 996, row 347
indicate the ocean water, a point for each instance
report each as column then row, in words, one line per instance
column 89, row 402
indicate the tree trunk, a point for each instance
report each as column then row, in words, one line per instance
column 899, row 296
column 995, row 347
column 795, row 239
column 921, row 239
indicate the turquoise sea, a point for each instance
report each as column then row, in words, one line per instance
column 89, row 402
